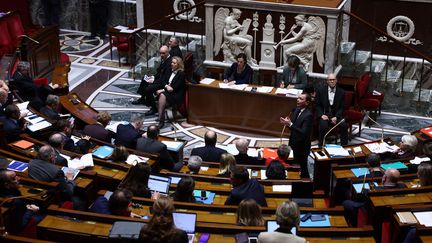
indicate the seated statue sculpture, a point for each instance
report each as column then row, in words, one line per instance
column 235, row 37
column 309, row 40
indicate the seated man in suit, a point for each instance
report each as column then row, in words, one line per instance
column 242, row 158
column 148, row 88
column 5, row 100
column 21, row 211
column 119, row 203
column 209, row 152
column 283, row 154
column 330, row 109
column 56, row 141
column 390, row 180
column 65, row 127
column 127, row 135
column 12, row 124
column 98, row 130
column 50, row 108
column 174, row 47
column 245, row 188
column 151, row 144
column 43, row 169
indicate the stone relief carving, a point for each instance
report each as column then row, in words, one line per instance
column 179, row 5
column 307, row 42
column 234, row 35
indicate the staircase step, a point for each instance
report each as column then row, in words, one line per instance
column 392, row 76
column 409, row 85
column 425, row 95
column 361, row 57
column 378, row 66
column 347, row 47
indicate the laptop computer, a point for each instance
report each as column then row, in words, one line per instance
column 271, row 226
column 159, row 184
column 302, row 193
column 186, row 222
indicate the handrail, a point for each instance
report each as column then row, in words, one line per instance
column 361, row 20
column 169, row 16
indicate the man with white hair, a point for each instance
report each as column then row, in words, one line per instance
column 194, row 164
column 242, row 158
column 127, row 135
column 174, row 47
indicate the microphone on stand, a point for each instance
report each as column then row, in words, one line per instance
column 331, row 129
column 28, row 37
column 382, row 128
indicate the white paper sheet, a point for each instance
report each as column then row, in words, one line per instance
column 282, row 188
column 424, row 218
column 84, row 161
column 207, row 81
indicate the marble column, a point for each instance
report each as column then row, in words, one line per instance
column 209, row 30
column 140, row 13
column 331, row 44
column 346, row 21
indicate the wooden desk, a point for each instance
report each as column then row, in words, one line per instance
column 237, row 110
column 80, row 109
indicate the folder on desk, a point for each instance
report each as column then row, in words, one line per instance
column 336, row 151
column 17, row 166
column 310, row 223
column 360, row 171
column 396, row 165
column 23, row 144
column 39, row 126
column 103, row 151
column 270, row 153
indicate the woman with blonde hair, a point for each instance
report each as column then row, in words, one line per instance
column 119, row 155
column 161, row 226
column 227, row 162
column 249, row 213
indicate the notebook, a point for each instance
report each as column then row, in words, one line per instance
column 159, row 184
column 396, row 165
column 103, row 152
column 23, row 144
column 17, row 166
column 271, row 226
column 186, row 222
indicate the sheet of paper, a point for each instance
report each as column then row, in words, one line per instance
column 252, row 152
column 135, row 159
column 263, row 175
column 204, row 168
column 294, row 92
column 84, row 161
column 357, row 149
column 281, row 91
column 418, row 160
column 39, row 126
column 207, row 81
column 223, row 86
column 231, row 148
column 282, row 188
column 23, row 106
column 264, row 89
column 424, row 218
column 121, row 27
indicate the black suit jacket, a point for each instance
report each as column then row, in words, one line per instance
column 11, row 128
column 50, row 113
column 98, row 131
column 301, row 129
column 323, row 104
column 251, row 189
column 178, row 85
column 154, row 146
column 44, row 171
column 127, row 136
column 163, row 71
column 209, row 153
column 245, row 159
column 176, row 52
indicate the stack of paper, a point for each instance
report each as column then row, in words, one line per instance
column 335, row 150
column 264, row 89
column 133, row 159
column 424, row 218
column 39, row 126
column 207, row 81
column 406, row 217
column 282, row 188
column 75, row 172
column 381, row 147
column 294, row 92
column 281, row 91
column 418, row 160
column 33, row 118
column 84, row 161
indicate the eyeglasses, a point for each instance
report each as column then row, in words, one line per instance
column 333, row 79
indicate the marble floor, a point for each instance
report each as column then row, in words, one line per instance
column 108, row 86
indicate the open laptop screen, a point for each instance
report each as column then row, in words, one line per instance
column 271, row 226
column 159, row 184
column 185, row 221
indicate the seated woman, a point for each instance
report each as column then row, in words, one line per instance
column 287, row 217
column 424, row 173
column 174, row 90
column 184, row 190
column 293, row 76
column 227, row 163
column 137, row 180
column 407, row 147
column 119, row 155
column 275, row 171
column 240, row 72
column 249, row 213
column 161, row 226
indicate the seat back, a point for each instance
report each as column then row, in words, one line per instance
column 361, row 86
column 5, row 38
column 348, row 102
column 267, row 77
column 215, row 72
column 15, row 26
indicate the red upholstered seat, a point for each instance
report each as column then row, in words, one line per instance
column 15, row 26
column 64, row 58
column 367, row 100
column 123, row 47
column 117, row 40
column 40, row 81
column 352, row 114
column 6, row 42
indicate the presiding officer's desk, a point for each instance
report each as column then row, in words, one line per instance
column 238, row 110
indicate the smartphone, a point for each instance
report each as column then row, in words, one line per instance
column 318, row 218
column 254, row 89
column 204, row 238
column 203, row 194
column 306, row 217
column 321, row 153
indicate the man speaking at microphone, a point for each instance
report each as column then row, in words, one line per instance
column 301, row 128
column 330, row 109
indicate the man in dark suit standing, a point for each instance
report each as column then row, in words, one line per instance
column 245, row 188
column 209, row 152
column 174, row 47
column 151, row 144
column 301, row 128
column 127, row 135
column 330, row 109
column 149, row 87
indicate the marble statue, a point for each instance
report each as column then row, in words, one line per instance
column 308, row 41
column 234, row 35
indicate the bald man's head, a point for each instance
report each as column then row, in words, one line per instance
column 210, row 138
column 391, row 176
column 164, row 52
